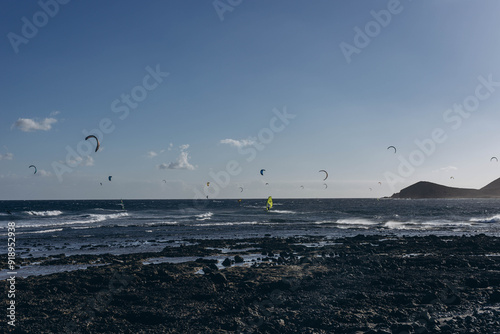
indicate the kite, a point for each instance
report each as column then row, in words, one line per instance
column 241, row 189
column 326, row 185
column 33, row 167
column 97, row 140
column 302, row 187
column 109, row 178
column 208, row 184
column 393, row 148
column 165, row 181
column 262, row 171
column 494, row 158
column 326, row 174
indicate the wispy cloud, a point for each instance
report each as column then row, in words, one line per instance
column 184, row 147
column 152, row 154
column 89, row 161
column 29, row 125
column 445, row 169
column 55, row 113
column 6, row 156
column 43, row 172
column 238, row 143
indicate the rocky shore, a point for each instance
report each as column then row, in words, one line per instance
column 364, row 284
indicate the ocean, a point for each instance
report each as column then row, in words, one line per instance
column 45, row 228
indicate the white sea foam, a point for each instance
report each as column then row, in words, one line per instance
column 232, row 224
column 356, row 221
column 93, row 218
column 446, row 223
column 424, row 225
column 162, row 223
column 204, row 216
column 46, row 231
column 486, row 220
column 324, row 222
column 349, row 223
column 395, row 225
column 281, row 211
column 44, row 213
column 346, row 224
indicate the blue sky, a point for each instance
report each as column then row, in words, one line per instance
column 205, row 82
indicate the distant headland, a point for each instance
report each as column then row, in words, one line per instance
column 425, row 189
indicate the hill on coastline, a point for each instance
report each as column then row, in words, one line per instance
column 425, row 189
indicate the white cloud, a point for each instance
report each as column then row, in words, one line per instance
column 445, row 169
column 55, row 113
column 170, row 146
column 28, row 124
column 184, row 147
column 71, row 162
column 43, row 172
column 238, row 143
column 6, row 156
column 181, row 163
column 152, row 154
column 89, row 161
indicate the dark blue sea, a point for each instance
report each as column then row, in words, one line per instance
column 45, row 228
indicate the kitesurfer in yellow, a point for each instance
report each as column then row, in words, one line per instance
column 269, row 204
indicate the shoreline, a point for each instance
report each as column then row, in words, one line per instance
column 361, row 284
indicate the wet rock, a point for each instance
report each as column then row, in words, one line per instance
column 429, row 298
column 305, row 260
column 471, row 282
column 452, row 299
column 218, row 278
column 401, row 329
column 367, row 290
column 494, row 297
column 207, row 270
